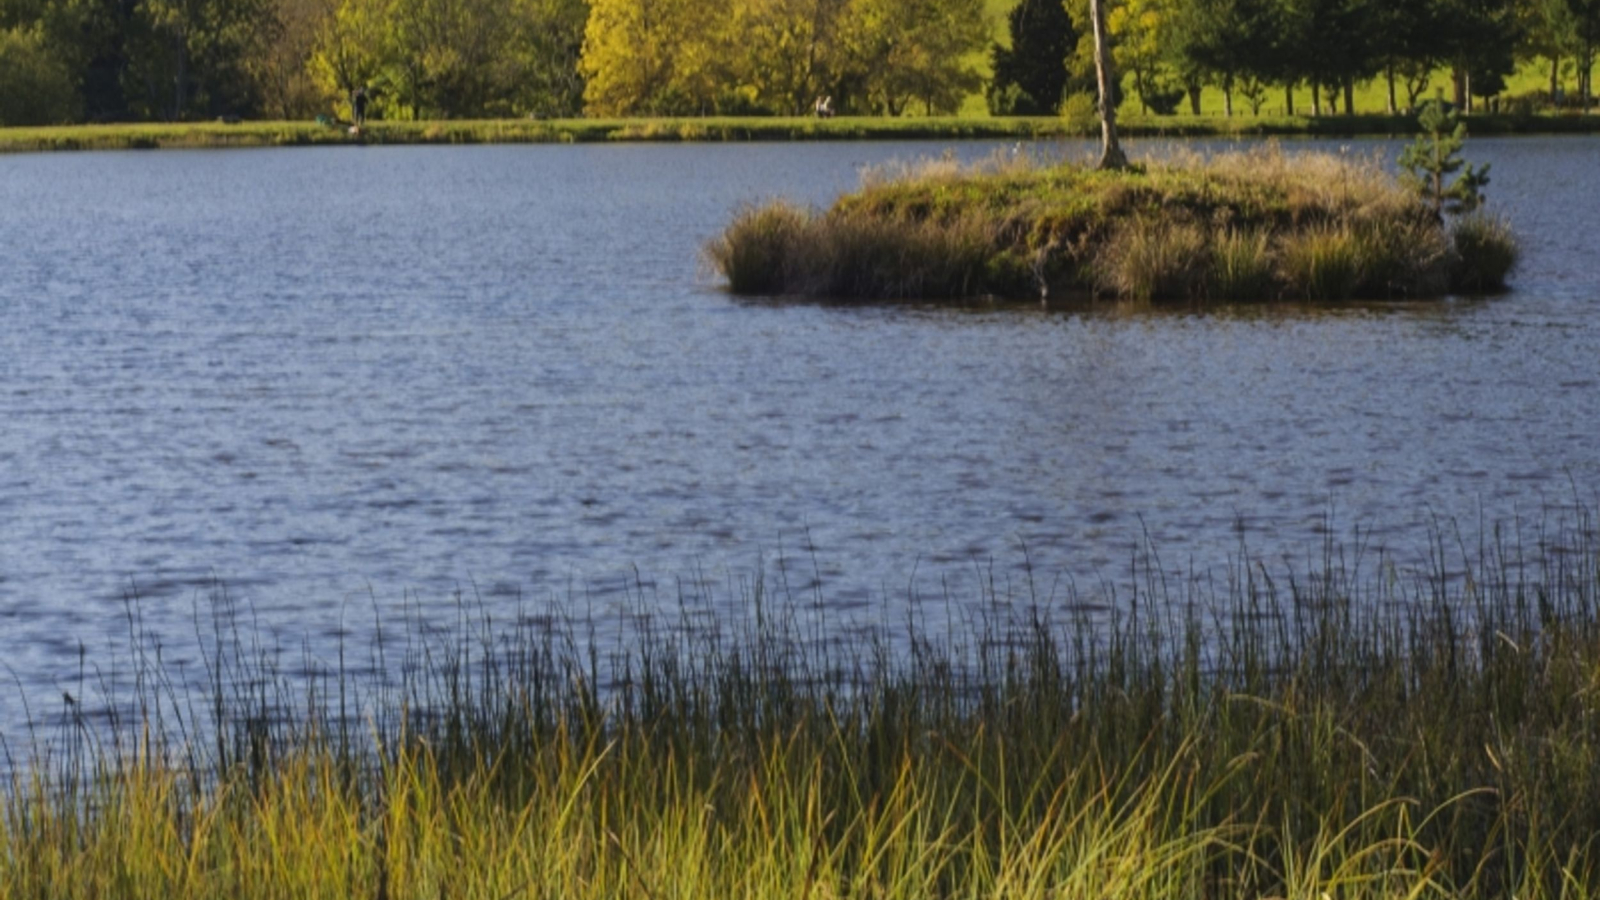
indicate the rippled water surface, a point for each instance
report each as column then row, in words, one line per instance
column 321, row 376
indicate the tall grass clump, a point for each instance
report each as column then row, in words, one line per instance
column 1487, row 250
column 1233, row 227
column 782, row 249
column 1146, row 261
column 1348, row 728
column 1241, row 266
column 1321, row 263
column 754, row 253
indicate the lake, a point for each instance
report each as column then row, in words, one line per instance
column 325, row 380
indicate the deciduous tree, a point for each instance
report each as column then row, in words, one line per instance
column 35, row 88
column 650, row 57
column 1226, row 40
column 898, row 52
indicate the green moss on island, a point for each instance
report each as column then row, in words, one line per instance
column 1237, row 227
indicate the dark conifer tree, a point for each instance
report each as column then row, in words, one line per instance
column 1030, row 77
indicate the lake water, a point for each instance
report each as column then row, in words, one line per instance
column 328, row 378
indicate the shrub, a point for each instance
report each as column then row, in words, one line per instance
column 1080, row 111
column 1486, row 251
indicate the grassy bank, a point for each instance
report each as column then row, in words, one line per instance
column 270, row 134
column 1332, row 731
column 1236, row 227
column 511, row 131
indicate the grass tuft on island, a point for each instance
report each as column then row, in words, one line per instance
column 1243, row 226
column 1350, row 729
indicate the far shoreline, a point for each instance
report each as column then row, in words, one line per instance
column 202, row 135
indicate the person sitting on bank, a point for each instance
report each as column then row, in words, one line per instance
column 824, row 107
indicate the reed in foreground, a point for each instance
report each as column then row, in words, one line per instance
column 1335, row 732
column 1237, row 227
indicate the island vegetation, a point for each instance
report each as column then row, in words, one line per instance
column 1242, row 226
column 1347, row 729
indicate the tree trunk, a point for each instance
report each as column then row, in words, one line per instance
column 180, row 82
column 1388, row 74
column 1555, row 77
column 1349, row 96
column 1316, row 98
column 1194, row 99
column 1588, row 74
column 1111, row 155
column 1227, row 96
column 1288, row 100
column 1458, row 81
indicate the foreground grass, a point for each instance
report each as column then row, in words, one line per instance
column 1236, row 227
column 146, row 136
column 1336, row 732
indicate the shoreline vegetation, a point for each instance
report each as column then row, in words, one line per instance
column 1240, row 226
column 1347, row 729
column 195, row 135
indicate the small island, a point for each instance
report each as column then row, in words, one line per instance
column 1257, row 225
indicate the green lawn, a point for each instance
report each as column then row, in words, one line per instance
column 258, row 134
column 1371, row 97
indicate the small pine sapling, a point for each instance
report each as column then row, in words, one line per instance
column 1435, row 157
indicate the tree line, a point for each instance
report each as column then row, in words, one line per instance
column 120, row 60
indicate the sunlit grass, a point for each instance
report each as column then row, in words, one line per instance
column 1342, row 730
column 257, row 134
column 973, row 124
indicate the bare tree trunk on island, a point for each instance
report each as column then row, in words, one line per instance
column 1111, row 155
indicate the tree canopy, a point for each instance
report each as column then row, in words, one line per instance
column 103, row 60
column 1030, row 75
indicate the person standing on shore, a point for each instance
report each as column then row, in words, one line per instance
column 358, row 107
